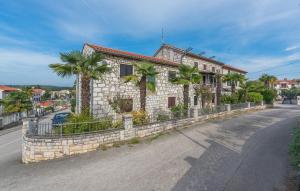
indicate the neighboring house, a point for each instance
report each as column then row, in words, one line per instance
column 4, row 91
column 285, row 84
column 61, row 94
column 166, row 60
column 37, row 94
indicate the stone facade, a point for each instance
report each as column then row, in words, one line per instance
column 35, row 149
column 112, row 85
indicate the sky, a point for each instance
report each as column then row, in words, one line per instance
column 257, row 36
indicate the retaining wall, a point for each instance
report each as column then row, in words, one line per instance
column 35, row 149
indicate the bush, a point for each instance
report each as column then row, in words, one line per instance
column 179, row 111
column 230, row 99
column 162, row 117
column 83, row 123
column 254, row 97
column 294, row 148
column 269, row 95
column 140, row 117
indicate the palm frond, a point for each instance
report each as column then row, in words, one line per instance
column 63, row 70
column 132, row 78
column 151, row 86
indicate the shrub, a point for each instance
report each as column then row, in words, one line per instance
column 83, row 123
column 269, row 95
column 294, row 148
column 230, row 99
column 162, row 117
column 254, row 97
column 179, row 111
column 140, row 117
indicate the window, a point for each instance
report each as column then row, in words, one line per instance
column 204, row 79
column 125, row 70
column 196, row 65
column 171, row 75
column 218, row 71
column 151, row 79
column 213, row 69
column 171, row 102
column 213, row 98
column 195, row 100
column 126, row 105
column 204, row 67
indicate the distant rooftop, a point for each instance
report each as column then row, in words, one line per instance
column 8, row 89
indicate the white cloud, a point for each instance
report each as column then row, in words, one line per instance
column 277, row 65
column 19, row 66
column 291, row 48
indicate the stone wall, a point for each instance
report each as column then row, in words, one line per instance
column 112, row 85
column 35, row 149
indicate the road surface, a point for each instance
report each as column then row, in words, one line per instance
column 245, row 153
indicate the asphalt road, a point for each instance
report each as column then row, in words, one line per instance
column 249, row 152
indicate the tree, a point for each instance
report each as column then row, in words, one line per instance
column 187, row 75
column 46, row 96
column 86, row 66
column 234, row 78
column 17, row 102
column 144, row 78
column 269, row 80
column 219, row 88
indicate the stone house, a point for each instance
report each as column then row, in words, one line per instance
column 166, row 60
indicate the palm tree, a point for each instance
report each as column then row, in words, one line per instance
column 87, row 67
column 187, row 75
column 219, row 88
column 17, row 102
column 144, row 78
column 268, row 80
column 245, row 88
column 234, row 78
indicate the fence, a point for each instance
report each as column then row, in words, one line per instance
column 10, row 119
column 45, row 142
column 43, row 129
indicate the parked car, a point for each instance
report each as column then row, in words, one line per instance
column 60, row 118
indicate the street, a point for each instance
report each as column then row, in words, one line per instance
column 244, row 153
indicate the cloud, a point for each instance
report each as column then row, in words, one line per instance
column 291, row 48
column 256, row 65
column 19, row 66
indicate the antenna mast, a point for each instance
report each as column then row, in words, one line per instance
column 162, row 36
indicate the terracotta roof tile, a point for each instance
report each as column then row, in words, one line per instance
column 135, row 56
column 125, row 54
column 7, row 88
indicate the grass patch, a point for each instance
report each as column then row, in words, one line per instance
column 134, row 141
column 294, row 148
column 155, row 137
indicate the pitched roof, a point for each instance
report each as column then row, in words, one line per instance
column 7, row 88
column 286, row 81
column 140, row 57
column 37, row 91
column 200, row 57
column 131, row 55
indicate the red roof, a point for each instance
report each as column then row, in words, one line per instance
column 46, row 103
column 286, row 81
column 201, row 57
column 135, row 56
column 7, row 88
column 37, row 91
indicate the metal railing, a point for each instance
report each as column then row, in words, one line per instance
column 212, row 110
column 239, row 106
column 41, row 129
